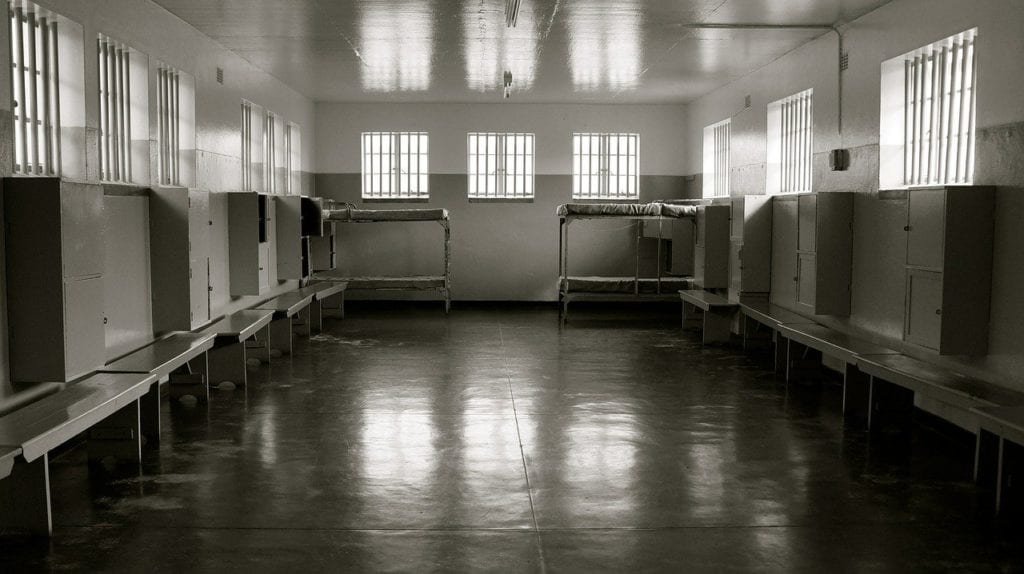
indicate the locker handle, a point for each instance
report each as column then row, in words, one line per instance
column 906, row 228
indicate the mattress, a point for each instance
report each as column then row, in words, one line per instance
column 624, row 285
column 421, row 283
column 377, row 215
column 656, row 209
column 609, row 210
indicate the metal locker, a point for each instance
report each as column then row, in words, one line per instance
column 737, row 219
column 924, row 308
column 807, row 281
column 84, row 339
column 926, row 222
column 808, row 218
column 247, row 213
column 784, row 244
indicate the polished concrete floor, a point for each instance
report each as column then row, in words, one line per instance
column 493, row 440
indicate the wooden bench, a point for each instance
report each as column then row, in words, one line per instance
column 326, row 296
column 716, row 314
column 180, row 360
column 107, row 405
column 26, row 394
column 291, row 314
column 758, row 311
column 234, row 336
column 1004, row 424
column 330, row 298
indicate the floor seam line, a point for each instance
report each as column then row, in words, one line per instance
column 522, row 452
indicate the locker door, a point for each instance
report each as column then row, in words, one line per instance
column 924, row 308
column 784, row 243
column 264, row 266
column 808, row 222
column 701, row 225
column 84, row 334
column 82, row 230
column 199, row 254
column 738, row 205
column 806, row 284
column 925, row 223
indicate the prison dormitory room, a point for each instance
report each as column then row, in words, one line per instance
column 512, row 286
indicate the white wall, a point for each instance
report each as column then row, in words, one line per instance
column 894, row 29
column 661, row 129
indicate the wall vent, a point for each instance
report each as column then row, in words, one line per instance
column 746, row 101
column 844, row 61
column 220, row 75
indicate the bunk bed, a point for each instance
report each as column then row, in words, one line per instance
column 347, row 213
column 661, row 287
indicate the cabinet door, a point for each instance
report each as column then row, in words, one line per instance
column 808, row 223
column 735, row 268
column 806, row 283
column 702, row 224
column 925, row 224
column 924, row 308
column 199, row 256
column 84, row 337
column 699, row 266
column 784, row 232
column 264, row 269
column 737, row 218
column 82, row 229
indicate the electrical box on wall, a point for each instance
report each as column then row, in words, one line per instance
column 839, row 159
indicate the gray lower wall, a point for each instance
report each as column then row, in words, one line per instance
column 504, row 251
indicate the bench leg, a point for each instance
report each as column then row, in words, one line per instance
column 691, row 317
column 316, row 317
column 280, row 337
column 798, row 365
column 25, row 498
column 717, row 326
column 301, row 323
column 258, row 346
column 856, row 393
column 191, row 380
column 333, row 307
column 149, row 414
column 117, row 437
column 781, row 350
column 227, row 365
column 891, row 405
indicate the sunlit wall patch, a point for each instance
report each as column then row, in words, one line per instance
column 604, row 46
column 397, row 40
column 491, row 47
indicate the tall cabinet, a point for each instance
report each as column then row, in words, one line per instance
column 179, row 228
column 950, row 235
column 750, row 246
column 250, row 234
column 812, row 252
column 55, row 260
column 711, row 249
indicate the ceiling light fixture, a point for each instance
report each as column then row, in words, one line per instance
column 512, row 12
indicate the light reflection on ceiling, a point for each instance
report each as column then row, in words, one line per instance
column 397, row 46
column 604, row 45
column 562, row 51
column 491, row 48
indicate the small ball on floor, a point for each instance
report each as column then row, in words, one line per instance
column 188, row 400
column 253, row 362
column 276, row 353
column 227, row 386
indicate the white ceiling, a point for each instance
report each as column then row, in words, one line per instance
column 571, row 51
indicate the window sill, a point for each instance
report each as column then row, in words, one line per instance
column 501, row 200
column 395, row 200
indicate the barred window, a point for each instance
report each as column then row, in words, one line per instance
column 252, row 142
column 500, row 165
column 115, row 68
column 269, row 152
column 293, row 158
column 605, row 166
column 791, row 143
column 36, row 90
column 168, row 106
column 395, row 165
column 716, row 159
column 939, row 113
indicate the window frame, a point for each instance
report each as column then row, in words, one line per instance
column 499, row 179
column 396, row 153
column 717, row 147
column 790, row 144
column 603, row 176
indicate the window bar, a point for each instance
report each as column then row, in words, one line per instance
column 961, row 152
column 46, row 141
column 104, row 125
column 18, row 79
column 175, row 149
column 953, row 141
column 919, row 135
column 33, row 157
column 805, row 149
column 938, row 106
column 969, row 165
column 127, row 115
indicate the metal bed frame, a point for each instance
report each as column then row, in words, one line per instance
column 565, row 296
column 401, row 283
